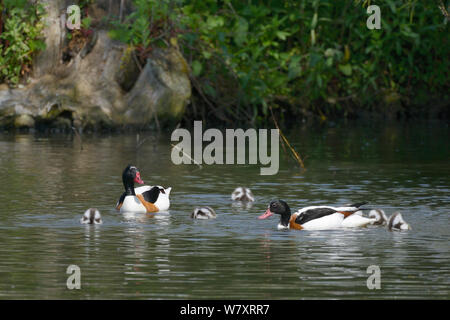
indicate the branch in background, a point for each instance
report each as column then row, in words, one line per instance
column 157, row 122
column 121, row 10
column 109, row 9
column 200, row 91
column 1, row 17
column 220, row 59
column 136, row 60
column 443, row 9
column 78, row 135
column 285, row 140
column 139, row 142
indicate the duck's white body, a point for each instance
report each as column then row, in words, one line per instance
column 356, row 221
column 351, row 218
column 332, row 221
column 133, row 204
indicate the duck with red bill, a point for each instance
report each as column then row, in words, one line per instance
column 266, row 214
column 316, row 217
column 143, row 199
column 138, row 179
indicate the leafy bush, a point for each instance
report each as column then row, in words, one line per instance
column 319, row 55
column 150, row 25
column 314, row 56
column 20, row 39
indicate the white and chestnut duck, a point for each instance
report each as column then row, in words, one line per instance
column 143, row 199
column 317, row 217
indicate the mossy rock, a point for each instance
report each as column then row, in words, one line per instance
column 162, row 90
column 128, row 71
column 94, row 118
column 24, row 121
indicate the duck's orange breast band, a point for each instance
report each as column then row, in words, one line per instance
column 148, row 205
column 347, row 213
column 293, row 224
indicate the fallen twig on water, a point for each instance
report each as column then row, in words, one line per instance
column 285, row 140
column 139, row 142
column 78, row 135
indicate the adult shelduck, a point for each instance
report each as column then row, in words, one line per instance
column 142, row 199
column 316, row 217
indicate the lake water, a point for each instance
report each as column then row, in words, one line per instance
column 47, row 182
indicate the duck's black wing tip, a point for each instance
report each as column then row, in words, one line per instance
column 358, row 204
column 151, row 195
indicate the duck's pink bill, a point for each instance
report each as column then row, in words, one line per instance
column 138, row 179
column 267, row 214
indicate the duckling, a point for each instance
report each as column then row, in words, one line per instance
column 242, row 194
column 91, row 216
column 379, row 216
column 396, row 222
column 203, row 213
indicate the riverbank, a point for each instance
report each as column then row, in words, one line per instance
column 134, row 66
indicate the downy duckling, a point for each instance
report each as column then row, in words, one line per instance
column 242, row 194
column 203, row 213
column 379, row 216
column 91, row 216
column 397, row 223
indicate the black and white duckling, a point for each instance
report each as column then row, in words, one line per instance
column 242, row 194
column 91, row 216
column 379, row 216
column 203, row 213
column 396, row 222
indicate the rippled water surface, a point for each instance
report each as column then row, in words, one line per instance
column 47, row 182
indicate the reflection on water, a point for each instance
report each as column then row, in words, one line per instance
column 48, row 182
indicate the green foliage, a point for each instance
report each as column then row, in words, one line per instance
column 85, row 3
column 147, row 26
column 311, row 54
column 86, row 23
column 20, row 39
column 320, row 54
